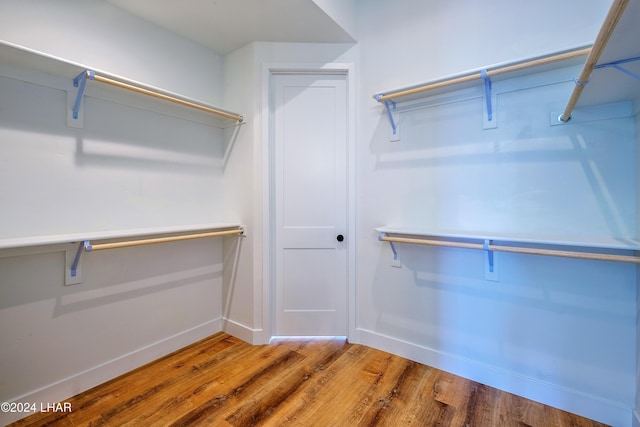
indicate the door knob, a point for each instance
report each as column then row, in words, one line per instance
column 340, row 238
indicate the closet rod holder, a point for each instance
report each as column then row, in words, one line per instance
column 489, row 246
column 91, row 75
column 484, row 74
column 86, row 245
column 90, row 248
column 613, row 16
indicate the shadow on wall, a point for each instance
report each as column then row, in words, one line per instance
column 118, row 136
column 231, row 263
column 565, row 323
column 129, row 167
column 524, row 176
column 119, row 131
column 109, row 276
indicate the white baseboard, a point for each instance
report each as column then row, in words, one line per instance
column 245, row 333
column 575, row 401
column 82, row 381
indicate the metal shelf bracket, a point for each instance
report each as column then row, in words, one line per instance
column 393, row 247
column 390, row 105
column 485, row 246
column 487, row 93
column 616, row 65
column 80, row 81
column 74, row 267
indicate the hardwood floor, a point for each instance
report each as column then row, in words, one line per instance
column 222, row 381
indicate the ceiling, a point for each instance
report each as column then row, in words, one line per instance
column 226, row 25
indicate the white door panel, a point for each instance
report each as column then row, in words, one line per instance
column 318, row 276
column 310, row 182
column 309, row 237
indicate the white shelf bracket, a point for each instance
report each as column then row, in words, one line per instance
column 393, row 247
column 617, row 65
column 489, row 120
column 80, row 81
column 489, row 254
column 73, row 275
column 393, row 115
column 487, row 94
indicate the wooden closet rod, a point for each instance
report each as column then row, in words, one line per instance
column 520, row 250
column 615, row 13
column 173, row 99
column 490, row 72
column 162, row 239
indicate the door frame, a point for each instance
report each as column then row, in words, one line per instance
column 268, row 206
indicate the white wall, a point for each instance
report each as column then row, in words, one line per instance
column 411, row 41
column 241, row 304
column 101, row 36
column 129, row 167
column 344, row 12
column 556, row 330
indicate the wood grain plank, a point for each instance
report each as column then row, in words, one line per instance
column 325, row 390
column 278, row 390
column 223, row 381
column 238, row 382
column 160, row 391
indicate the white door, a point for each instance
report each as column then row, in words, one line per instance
column 310, row 188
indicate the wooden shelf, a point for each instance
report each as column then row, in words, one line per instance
column 497, row 72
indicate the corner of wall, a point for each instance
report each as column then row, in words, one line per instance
column 343, row 12
column 241, row 201
column 636, row 413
